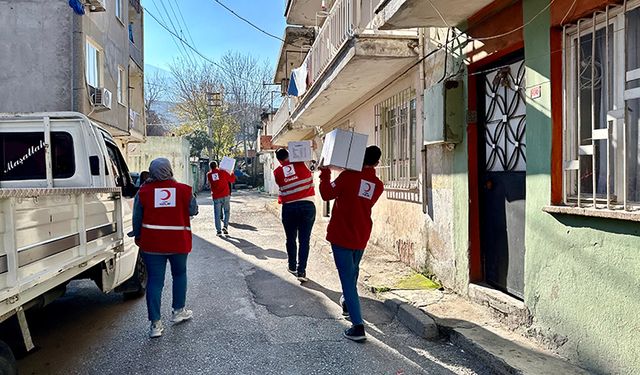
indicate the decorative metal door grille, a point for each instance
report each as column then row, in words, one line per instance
column 505, row 119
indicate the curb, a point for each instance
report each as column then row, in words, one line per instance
column 425, row 326
column 413, row 318
column 495, row 363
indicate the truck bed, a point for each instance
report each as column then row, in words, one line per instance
column 50, row 235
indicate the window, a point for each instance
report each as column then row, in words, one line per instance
column 602, row 94
column 117, row 167
column 396, row 135
column 22, row 156
column 93, row 64
column 122, row 86
column 119, row 10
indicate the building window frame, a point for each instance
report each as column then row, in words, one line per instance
column 602, row 100
column 122, row 85
column 119, row 11
column 396, row 134
column 93, row 63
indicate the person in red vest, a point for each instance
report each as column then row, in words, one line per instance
column 349, row 228
column 220, row 183
column 162, row 229
column 298, row 210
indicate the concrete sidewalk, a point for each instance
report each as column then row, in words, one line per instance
column 437, row 313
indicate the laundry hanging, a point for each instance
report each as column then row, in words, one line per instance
column 298, row 81
column 77, row 6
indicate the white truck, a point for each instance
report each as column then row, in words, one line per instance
column 65, row 208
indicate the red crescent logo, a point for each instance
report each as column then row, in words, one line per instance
column 367, row 187
column 167, row 196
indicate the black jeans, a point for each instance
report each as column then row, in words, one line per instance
column 297, row 219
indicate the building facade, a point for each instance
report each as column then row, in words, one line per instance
column 55, row 59
column 509, row 132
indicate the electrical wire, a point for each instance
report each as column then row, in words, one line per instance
column 179, row 29
column 177, row 43
column 205, row 58
column 253, row 24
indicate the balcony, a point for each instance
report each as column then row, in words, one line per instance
column 136, row 123
column 136, row 55
column 403, row 14
column 306, row 12
column 297, row 41
column 348, row 59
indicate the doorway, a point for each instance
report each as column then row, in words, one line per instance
column 502, row 174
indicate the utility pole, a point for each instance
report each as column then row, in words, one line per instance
column 214, row 100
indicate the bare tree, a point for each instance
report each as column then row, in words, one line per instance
column 156, row 88
column 192, row 82
column 243, row 76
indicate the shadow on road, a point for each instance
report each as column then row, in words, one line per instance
column 250, row 248
column 243, row 227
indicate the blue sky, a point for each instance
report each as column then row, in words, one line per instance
column 214, row 30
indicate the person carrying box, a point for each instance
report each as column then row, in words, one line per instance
column 298, row 210
column 349, row 228
column 219, row 182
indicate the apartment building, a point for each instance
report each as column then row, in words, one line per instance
column 510, row 139
column 54, row 58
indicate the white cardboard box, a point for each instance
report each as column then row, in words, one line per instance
column 300, row 151
column 344, row 149
column 228, row 164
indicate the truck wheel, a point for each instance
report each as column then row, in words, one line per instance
column 138, row 282
column 8, row 364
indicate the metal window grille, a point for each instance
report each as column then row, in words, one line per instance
column 396, row 135
column 602, row 100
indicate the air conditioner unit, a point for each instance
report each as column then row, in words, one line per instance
column 101, row 97
column 96, row 5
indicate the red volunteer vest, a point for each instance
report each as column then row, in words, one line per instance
column 295, row 182
column 165, row 219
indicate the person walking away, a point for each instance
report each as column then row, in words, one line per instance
column 162, row 230
column 220, row 183
column 349, row 228
column 298, row 210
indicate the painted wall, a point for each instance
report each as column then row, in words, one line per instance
column 36, row 74
column 176, row 149
column 112, row 35
column 581, row 273
column 42, row 52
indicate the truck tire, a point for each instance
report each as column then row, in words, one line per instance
column 8, row 364
column 137, row 285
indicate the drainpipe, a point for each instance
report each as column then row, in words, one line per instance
column 420, row 104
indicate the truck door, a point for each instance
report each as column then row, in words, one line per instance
column 126, row 258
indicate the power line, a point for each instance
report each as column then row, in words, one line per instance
column 177, row 28
column 198, row 52
column 185, row 23
column 253, row 24
column 181, row 49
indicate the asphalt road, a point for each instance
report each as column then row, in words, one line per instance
column 250, row 317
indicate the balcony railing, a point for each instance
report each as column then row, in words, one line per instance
column 282, row 115
column 345, row 19
column 136, row 54
column 135, row 121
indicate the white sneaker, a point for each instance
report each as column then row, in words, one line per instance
column 181, row 315
column 156, row 329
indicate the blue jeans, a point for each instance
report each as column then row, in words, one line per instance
column 221, row 208
column 297, row 219
column 156, row 266
column 348, row 264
